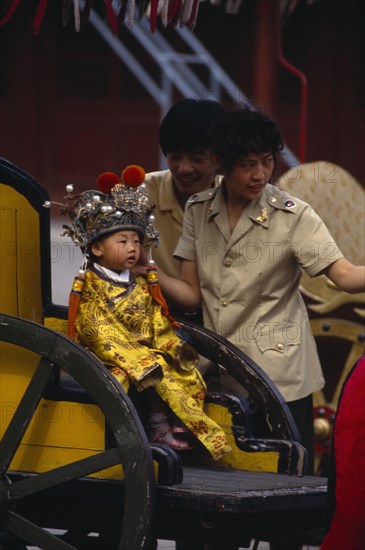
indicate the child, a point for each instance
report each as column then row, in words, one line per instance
column 124, row 320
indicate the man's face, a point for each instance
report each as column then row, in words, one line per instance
column 192, row 171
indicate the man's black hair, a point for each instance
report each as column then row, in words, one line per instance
column 187, row 125
column 242, row 132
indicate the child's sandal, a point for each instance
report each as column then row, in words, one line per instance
column 166, row 437
column 180, row 428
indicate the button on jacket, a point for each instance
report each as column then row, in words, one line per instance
column 250, row 279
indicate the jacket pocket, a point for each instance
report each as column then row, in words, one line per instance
column 277, row 336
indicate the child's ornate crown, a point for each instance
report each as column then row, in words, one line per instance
column 116, row 205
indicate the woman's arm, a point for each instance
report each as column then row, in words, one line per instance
column 348, row 277
column 185, row 291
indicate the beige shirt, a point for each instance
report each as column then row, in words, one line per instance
column 169, row 219
column 250, row 279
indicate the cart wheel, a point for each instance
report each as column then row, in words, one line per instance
column 130, row 449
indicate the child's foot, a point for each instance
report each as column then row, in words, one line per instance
column 166, row 437
column 180, row 428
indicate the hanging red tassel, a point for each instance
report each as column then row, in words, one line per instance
column 173, row 8
column 39, row 15
column 74, row 302
column 155, row 289
column 193, row 16
column 174, row 13
column 153, row 15
column 7, row 17
column 112, row 18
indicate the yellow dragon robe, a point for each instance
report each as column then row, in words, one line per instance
column 125, row 328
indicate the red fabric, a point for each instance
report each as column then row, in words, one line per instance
column 194, row 12
column 73, row 304
column 10, row 12
column 173, row 9
column 153, row 16
column 133, row 175
column 39, row 15
column 347, row 530
column 106, row 182
column 174, row 12
column 155, row 290
column 112, row 17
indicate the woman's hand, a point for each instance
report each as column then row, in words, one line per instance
column 140, row 267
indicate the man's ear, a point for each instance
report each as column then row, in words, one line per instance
column 96, row 250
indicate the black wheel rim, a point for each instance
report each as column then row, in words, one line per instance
column 131, row 447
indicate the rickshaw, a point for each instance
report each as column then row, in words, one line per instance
column 76, row 467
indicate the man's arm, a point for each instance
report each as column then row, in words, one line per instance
column 348, row 277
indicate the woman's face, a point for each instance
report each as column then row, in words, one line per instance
column 118, row 251
column 249, row 176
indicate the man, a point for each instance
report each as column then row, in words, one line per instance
column 185, row 141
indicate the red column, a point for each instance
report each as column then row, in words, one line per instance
column 264, row 55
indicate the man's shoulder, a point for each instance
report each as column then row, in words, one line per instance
column 157, row 182
column 203, row 196
column 158, row 177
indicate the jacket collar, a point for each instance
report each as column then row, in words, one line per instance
column 256, row 210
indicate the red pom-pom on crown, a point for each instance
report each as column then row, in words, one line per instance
column 133, row 175
column 106, row 181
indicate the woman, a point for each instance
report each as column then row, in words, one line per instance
column 242, row 250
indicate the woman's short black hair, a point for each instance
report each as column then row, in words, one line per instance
column 242, row 132
column 187, row 125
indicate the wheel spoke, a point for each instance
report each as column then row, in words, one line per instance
column 34, row 534
column 81, row 468
column 24, row 413
column 131, row 445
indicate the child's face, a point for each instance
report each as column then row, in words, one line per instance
column 192, row 171
column 249, row 176
column 118, row 251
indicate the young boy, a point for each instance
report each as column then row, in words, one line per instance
column 125, row 322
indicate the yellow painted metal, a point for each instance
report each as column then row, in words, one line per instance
column 38, row 459
column 8, row 263
column 259, row 461
column 20, row 283
column 66, row 424
column 29, row 266
column 17, row 366
column 56, row 324
column 60, row 432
